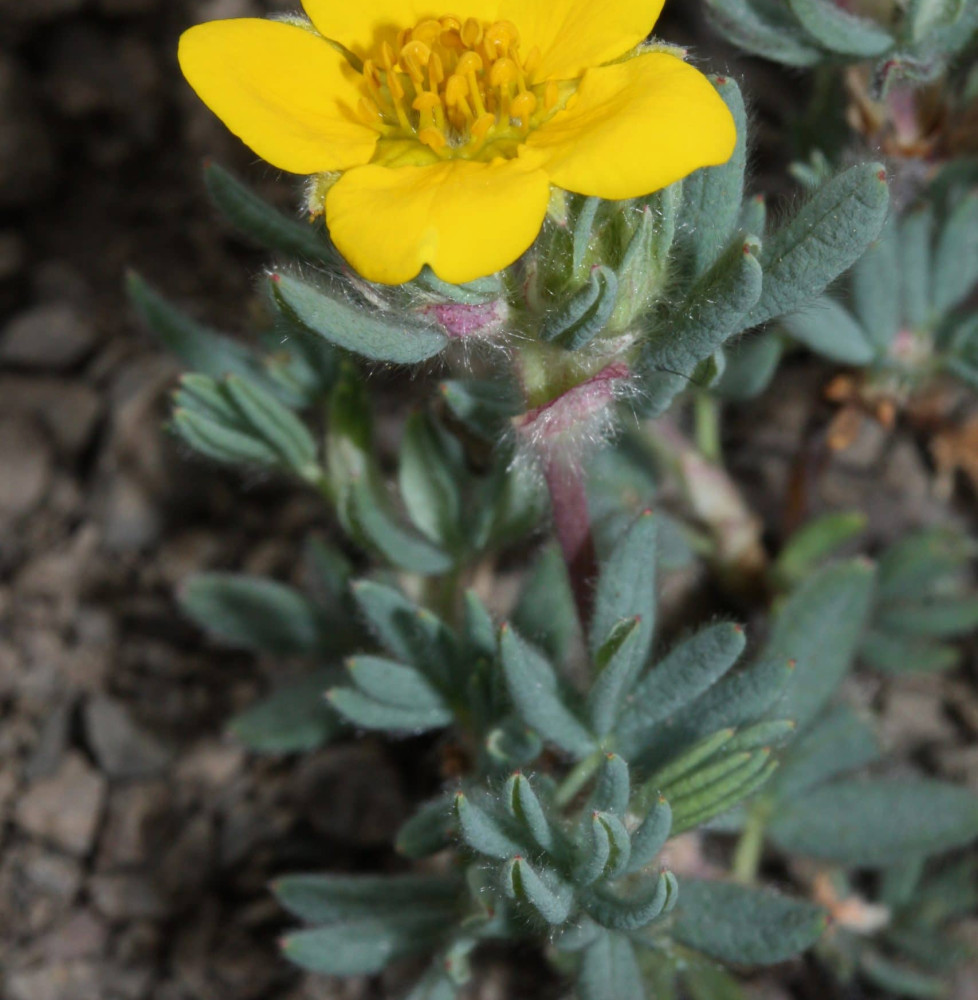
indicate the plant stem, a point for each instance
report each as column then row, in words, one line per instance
column 747, row 856
column 706, row 411
column 568, row 499
column 583, row 771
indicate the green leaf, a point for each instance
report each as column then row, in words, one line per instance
column 956, row 260
column 688, row 671
column 327, row 899
column 429, row 830
column 429, row 480
column 825, row 237
column 609, row 969
column 649, row 839
column 837, row 742
column 362, row 330
column 612, row 789
column 718, row 787
column 221, row 442
column 819, row 627
column 484, row 407
column 362, row 947
column 199, row 347
column 908, row 568
column 252, row 612
column 293, row 719
column 545, row 892
column 275, row 423
column 650, row 900
column 585, row 314
column 370, row 512
column 738, row 788
column 526, row 809
column 936, row 617
column 593, row 852
column 269, row 227
column 411, row 634
column 739, row 22
column 877, row 823
column 369, row 713
column 829, row 330
column 486, row 832
column 394, row 683
column 736, row 700
column 751, row 364
column 815, row 542
column 545, row 611
column 618, row 663
column 626, row 586
column 533, row 687
column 876, row 288
column 745, row 926
column 899, row 979
column 715, row 309
column 915, row 260
column 712, row 195
column 902, row 654
column 840, row 31
column 434, row 985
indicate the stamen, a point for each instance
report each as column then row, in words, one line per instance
column 471, row 33
column 457, row 87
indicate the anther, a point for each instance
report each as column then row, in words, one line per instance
column 369, row 112
column 504, row 72
column 551, row 95
column 427, row 32
column 471, row 33
column 433, row 138
column 414, row 57
column 469, row 62
column 522, row 106
column 387, row 57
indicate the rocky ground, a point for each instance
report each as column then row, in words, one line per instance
column 137, row 842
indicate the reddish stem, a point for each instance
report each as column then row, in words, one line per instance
column 568, row 499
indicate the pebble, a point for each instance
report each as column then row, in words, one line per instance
column 125, row 896
column 27, row 465
column 54, row 337
column 65, row 808
column 133, row 824
column 122, row 748
column 69, row 409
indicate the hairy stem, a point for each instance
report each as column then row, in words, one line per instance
column 568, row 499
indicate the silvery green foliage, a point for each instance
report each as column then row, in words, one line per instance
column 587, row 752
column 913, row 40
column 916, row 951
column 655, row 745
column 906, row 320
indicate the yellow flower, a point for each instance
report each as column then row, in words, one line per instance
column 449, row 128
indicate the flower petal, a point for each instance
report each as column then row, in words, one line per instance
column 635, row 127
column 361, row 25
column 575, row 34
column 286, row 93
column 464, row 218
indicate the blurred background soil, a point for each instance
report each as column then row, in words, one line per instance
column 137, row 842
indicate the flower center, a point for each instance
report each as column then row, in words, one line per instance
column 461, row 88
